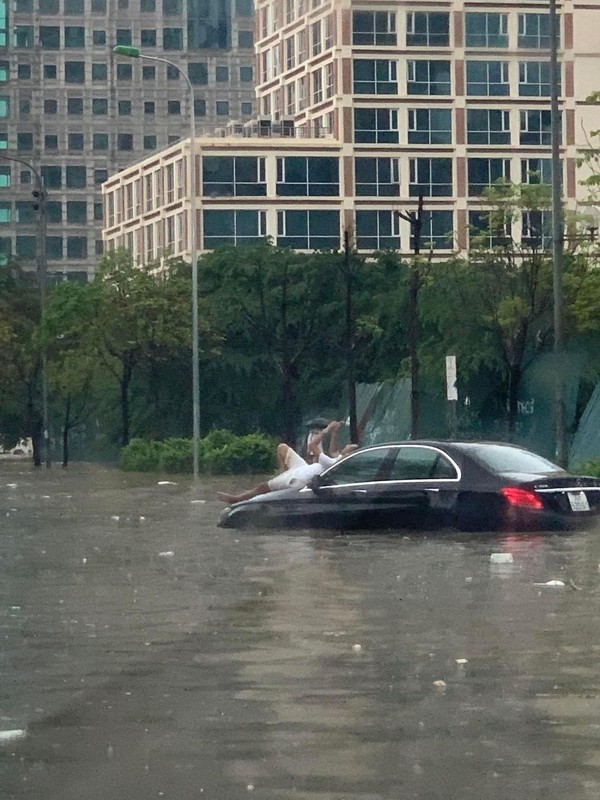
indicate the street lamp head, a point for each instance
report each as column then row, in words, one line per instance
column 125, row 50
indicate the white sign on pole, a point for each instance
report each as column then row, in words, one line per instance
column 451, row 390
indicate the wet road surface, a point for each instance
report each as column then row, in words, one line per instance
column 145, row 653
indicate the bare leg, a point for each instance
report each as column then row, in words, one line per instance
column 262, row 488
column 282, row 453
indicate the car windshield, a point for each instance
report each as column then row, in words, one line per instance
column 511, row 459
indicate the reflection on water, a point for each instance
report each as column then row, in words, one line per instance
column 147, row 653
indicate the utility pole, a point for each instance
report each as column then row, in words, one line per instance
column 415, row 220
column 349, row 343
column 557, row 241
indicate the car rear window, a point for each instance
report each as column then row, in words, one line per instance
column 511, row 459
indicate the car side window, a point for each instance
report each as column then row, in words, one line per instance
column 420, row 463
column 363, row 467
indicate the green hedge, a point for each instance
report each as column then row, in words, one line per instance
column 589, row 468
column 220, row 452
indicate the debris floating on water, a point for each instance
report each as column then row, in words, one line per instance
column 550, row 583
column 461, row 661
column 357, row 648
column 9, row 736
column 167, row 483
column 501, row 558
column 439, row 684
column 167, row 554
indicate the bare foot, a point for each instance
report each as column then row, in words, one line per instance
column 227, row 498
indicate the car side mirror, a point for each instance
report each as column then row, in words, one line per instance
column 315, row 484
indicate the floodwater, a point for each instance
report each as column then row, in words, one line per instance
column 146, row 653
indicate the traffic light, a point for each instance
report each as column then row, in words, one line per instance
column 38, row 198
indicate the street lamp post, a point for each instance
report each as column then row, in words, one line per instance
column 134, row 52
column 39, row 204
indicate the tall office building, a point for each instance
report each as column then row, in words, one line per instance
column 397, row 101
column 76, row 113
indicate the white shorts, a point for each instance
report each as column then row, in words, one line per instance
column 297, row 474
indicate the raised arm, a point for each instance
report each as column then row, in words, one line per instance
column 332, row 428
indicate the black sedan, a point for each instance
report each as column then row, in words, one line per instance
column 431, row 484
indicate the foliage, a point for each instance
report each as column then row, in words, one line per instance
column 220, row 452
column 591, row 468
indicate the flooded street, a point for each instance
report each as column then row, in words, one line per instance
column 147, row 653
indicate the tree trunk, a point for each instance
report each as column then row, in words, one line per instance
column 514, row 382
column 125, row 383
column 65, row 433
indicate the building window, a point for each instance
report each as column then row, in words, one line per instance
column 5, row 212
column 99, row 38
column 377, row 230
column 76, row 247
column 23, row 37
column 245, row 39
column 174, row 107
column 536, row 170
column 172, row 38
column 535, row 127
column 124, row 36
column 149, row 107
column 246, row 109
column 24, row 141
column 148, row 73
column 149, row 142
column 488, row 126
column 49, row 37
column 24, row 108
column 75, row 141
column 536, row 229
column 75, row 177
column 534, row 79
column 100, row 72
column 317, row 41
column 54, row 247
column 4, row 177
column 486, row 29
column 50, row 106
column 50, row 71
column 302, row 48
column 429, row 126
column 100, row 175
column 148, row 37
column 534, row 31
column 23, row 72
column 77, row 211
column 308, row 230
column 375, row 126
column 222, row 74
column 75, row 106
column 244, row 8
column 317, row 80
column 246, row 74
column 430, row 177
column 147, row 6
column 98, row 6
column 198, row 73
column 74, row 36
column 375, row 76
column 225, row 176
column 487, row 78
column 74, row 7
column 172, row 8
column 428, row 77
column 437, row 230
column 427, row 29
column 222, row 108
column 485, row 230
column 485, row 172
column 299, row 176
column 24, row 212
column 376, row 177
column 124, row 108
column 50, row 141
column 4, row 105
column 374, row 28
column 200, row 107
column 100, row 141
column 124, row 72
column 125, row 141
column 74, row 72
column 48, row 6
column 25, row 248
column 52, row 177
column 233, row 227
column 99, row 106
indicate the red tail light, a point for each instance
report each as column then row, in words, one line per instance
column 521, row 497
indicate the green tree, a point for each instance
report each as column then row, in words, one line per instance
column 130, row 317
